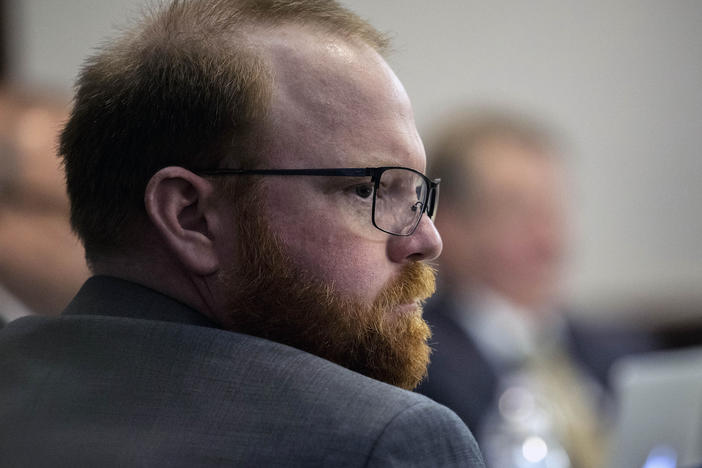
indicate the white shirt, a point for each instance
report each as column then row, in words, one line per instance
column 504, row 332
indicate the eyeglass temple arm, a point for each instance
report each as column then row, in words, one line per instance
column 354, row 172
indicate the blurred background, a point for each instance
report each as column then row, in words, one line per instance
column 620, row 80
column 617, row 82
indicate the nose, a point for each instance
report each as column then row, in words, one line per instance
column 424, row 244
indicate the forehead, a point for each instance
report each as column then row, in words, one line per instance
column 336, row 104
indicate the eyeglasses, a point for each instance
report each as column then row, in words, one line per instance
column 400, row 194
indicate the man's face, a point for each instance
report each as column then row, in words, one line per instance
column 343, row 289
column 339, row 105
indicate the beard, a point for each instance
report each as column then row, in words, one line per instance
column 269, row 297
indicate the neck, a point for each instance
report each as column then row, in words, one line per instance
column 162, row 275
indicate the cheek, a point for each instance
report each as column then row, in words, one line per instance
column 323, row 245
column 502, row 252
column 518, row 257
column 330, row 255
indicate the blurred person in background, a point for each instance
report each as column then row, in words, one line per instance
column 247, row 181
column 506, row 357
column 41, row 261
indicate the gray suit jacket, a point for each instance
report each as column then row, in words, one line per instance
column 130, row 377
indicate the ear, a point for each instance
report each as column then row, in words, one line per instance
column 181, row 207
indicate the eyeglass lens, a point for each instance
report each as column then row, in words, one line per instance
column 399, row 201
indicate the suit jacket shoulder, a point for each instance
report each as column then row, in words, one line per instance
column 425, row 434
column 129, row 388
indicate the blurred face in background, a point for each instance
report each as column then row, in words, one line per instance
column 510, row 237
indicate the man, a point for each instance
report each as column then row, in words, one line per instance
column 500, row 336
column 255, row 282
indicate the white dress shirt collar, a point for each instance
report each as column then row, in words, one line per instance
column 505, row 332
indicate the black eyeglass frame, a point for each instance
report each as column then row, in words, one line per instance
column 428, row 205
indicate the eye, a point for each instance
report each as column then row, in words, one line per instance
column 364, row 190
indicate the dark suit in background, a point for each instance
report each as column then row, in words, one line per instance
column 130, row 377
column 462, row 377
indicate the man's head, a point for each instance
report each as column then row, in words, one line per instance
column 503, row 211
column 186, row 87
column 256, row 85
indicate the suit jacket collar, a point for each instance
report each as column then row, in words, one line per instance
column 107, row 295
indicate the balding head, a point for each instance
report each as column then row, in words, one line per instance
column 186, row 86
column 327, row 88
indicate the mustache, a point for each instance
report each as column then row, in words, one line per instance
column 416, row 282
